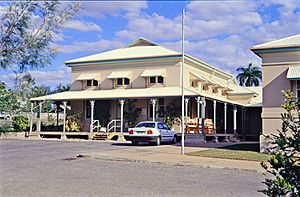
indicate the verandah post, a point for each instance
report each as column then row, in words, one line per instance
column 153, row 101
column 92, row 102
column 234, row 119
column 63, row 136
column 198, row 100
column 186, row 100
column 225, row 118
column 203, row 116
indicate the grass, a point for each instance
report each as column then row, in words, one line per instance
column 249, row 152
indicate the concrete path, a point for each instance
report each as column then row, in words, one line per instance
column 170, row 154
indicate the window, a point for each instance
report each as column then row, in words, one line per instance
column 298, row 89
column 87, row 109
column 146, row 124
column 161, row 107
column 166, row 127
column 95, row 83
column 126, row 81
column 89, row 83
column 122, row 81
column 160, row 126
column 158, row 79
column 152, row 79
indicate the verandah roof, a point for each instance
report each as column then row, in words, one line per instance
column 129, row 93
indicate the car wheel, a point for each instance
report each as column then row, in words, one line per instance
column 174, row 139
column 134, row 143
column 158, row 141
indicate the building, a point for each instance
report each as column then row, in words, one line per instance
column 281, row 71
column 104, row 84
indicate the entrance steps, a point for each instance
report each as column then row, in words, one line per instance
column 100, row 136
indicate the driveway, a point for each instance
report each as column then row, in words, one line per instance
column 51, row 168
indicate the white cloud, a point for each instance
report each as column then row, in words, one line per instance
column 83, row 26
column 96, row 46
column 101, row 8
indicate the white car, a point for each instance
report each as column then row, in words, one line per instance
column 4, row 115
column 148, row 131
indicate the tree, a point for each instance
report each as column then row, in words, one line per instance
column 131, row 112
column 284, row 165
column 249, row 76
column 62, row 88
column 27, row 29
column 8, row 101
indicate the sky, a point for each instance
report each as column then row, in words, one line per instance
column 220, row 33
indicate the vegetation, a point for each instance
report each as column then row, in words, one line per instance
column 247, row 152
column 20, row 123
column 131, row 112
column 74, row 122
column 284, row 164
column 102, row 112
column 27, row 29
column 171, row 114
column 4, row 128
column 249, row 76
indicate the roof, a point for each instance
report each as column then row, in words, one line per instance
column 293, row 73
column 258, row 100
column 141, row 48
column 116, row 94
column 291, row 41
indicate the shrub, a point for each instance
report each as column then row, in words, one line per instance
column 5, row 128
column 74, row 122
column 20, row 123
column 284, row 165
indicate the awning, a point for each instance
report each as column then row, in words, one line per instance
column 88, row 76
column 119, row 74
column 293, row 73
column 211, row 82
column 117, row 94
column 154, row 73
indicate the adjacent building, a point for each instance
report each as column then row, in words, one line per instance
column 280, row 71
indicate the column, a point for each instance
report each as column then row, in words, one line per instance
column 57, row 114
column 203, row 114
column 186, row 101
column 215, row 115
column 92, row 102
column 225, row 118
column 39, row 125
column 153, row 101
column 63, row 136
column 122, row 101
column 234, row 119
column 31, row 117
column 198, row 100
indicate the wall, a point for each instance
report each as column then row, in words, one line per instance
column 274, row 68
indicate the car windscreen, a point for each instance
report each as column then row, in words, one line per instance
column 146, row 124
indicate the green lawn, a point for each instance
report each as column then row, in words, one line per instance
column 239, row 152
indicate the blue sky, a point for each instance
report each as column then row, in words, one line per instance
column 218, row 32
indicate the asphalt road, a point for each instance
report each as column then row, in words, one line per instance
column 50, row 168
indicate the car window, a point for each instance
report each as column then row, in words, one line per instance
column 146, row 124
column 160, row 126
column 166, row 127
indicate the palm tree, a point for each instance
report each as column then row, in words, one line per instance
column 249, row 76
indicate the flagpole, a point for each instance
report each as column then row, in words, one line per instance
column 182, row 88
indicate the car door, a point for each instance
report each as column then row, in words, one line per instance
column 163, row 132
column 169, row 133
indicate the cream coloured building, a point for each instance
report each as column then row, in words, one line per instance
column 281, row 71
column 104, row 83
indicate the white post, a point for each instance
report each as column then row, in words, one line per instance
column 153, row 101
column 203, row 114
column 122, row 108
column 65, row 114
column 225, row 118
column 92, row 102
column 234, row 119
column 39, row 125
column 182, row 88
column 186, row 100
column 198, row 100
column 31, row 117
column 215, row 114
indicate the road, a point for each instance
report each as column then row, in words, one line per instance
column 51, row 168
